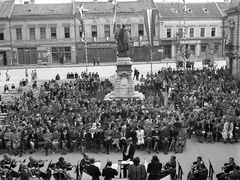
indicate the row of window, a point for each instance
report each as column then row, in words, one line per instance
column 191, row 32
column 94, row 32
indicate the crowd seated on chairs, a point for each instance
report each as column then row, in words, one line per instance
column 181, row 103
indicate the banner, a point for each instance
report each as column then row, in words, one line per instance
column 149, row 21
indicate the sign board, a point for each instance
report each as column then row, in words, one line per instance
column 160, row 50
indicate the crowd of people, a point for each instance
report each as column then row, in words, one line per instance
column 68, row 116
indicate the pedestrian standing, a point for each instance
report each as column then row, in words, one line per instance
column 94, row 61
column 7, row 76
column 98, row 61
column 26, row 74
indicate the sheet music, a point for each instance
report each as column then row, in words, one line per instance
column 126, row 162
column 98, row 164
column 86, row 176
column 115, row 166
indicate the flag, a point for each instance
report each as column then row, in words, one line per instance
column 172, row 5
column 115, row 6
column 180, row 171
column 20, row 166
column 81, row 11
column 211, row 170
column 149, row 21
column 184, row 6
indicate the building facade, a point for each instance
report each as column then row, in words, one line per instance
column 204, row 22
column 52, row 33
column 232, row 37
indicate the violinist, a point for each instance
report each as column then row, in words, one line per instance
column 227, row 168
column 34, row 167
column 84, row 163
column 93, row 170
column 170, row 168
column 60, row 169
column 6, row 166
column 25, row 174
column 108, row 172
column 235, row 174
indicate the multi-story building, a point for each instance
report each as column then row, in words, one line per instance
column 52, row 33
column 5, row 34
column 232, row 35
column 204, row 22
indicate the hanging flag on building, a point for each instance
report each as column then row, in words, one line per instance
column 115, row 6
column 80, row 16
column 149, row 21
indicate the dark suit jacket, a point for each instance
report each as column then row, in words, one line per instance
column 109, row 173
column 93, row 171
column 130, row 153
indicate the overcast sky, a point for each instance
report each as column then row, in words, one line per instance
column 63, row 1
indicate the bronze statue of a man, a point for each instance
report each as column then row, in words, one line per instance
column 123, row 42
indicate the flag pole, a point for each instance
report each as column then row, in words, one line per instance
column 184, row 33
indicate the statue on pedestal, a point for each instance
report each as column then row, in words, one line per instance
column 123, row 42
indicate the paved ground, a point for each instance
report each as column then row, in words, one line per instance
column 218, row 153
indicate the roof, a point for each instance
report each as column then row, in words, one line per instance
column 223, row 6
column 107, row 7
column 42, row 9
column 194, row 10
column 234, row 4
column 6, row 8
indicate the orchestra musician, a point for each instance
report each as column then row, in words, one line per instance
column 235, row 174
column 128, row 154
column 6, row 166
column 108, row 172
column 25, row 174
column 170, row 168
column 34, row 168
column 60, row 170
column 84, row 163
column 93, row 170
column 227, row 168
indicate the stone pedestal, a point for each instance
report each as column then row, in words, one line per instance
column 124, row 84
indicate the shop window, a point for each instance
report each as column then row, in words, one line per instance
column 140, row 30
column 202, row 32
column 213, row 32
column 94, row 30
column 32, row 33
column 1, row 34
column 169, row 33
column 67, row 32
column 19, row 33
column 58, row 53
column 107, row 30
column 203, row 49
column 192, row 49
column 191, row 32
column 53, row 33
column 42, row 33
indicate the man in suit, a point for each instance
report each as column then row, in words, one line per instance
column 128, row 154
column 109, row 172
column 93, row 170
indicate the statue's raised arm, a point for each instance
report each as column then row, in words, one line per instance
column 123, row 42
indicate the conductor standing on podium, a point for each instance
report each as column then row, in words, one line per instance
column 128, row 154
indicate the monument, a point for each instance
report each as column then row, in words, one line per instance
column 124, row 84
